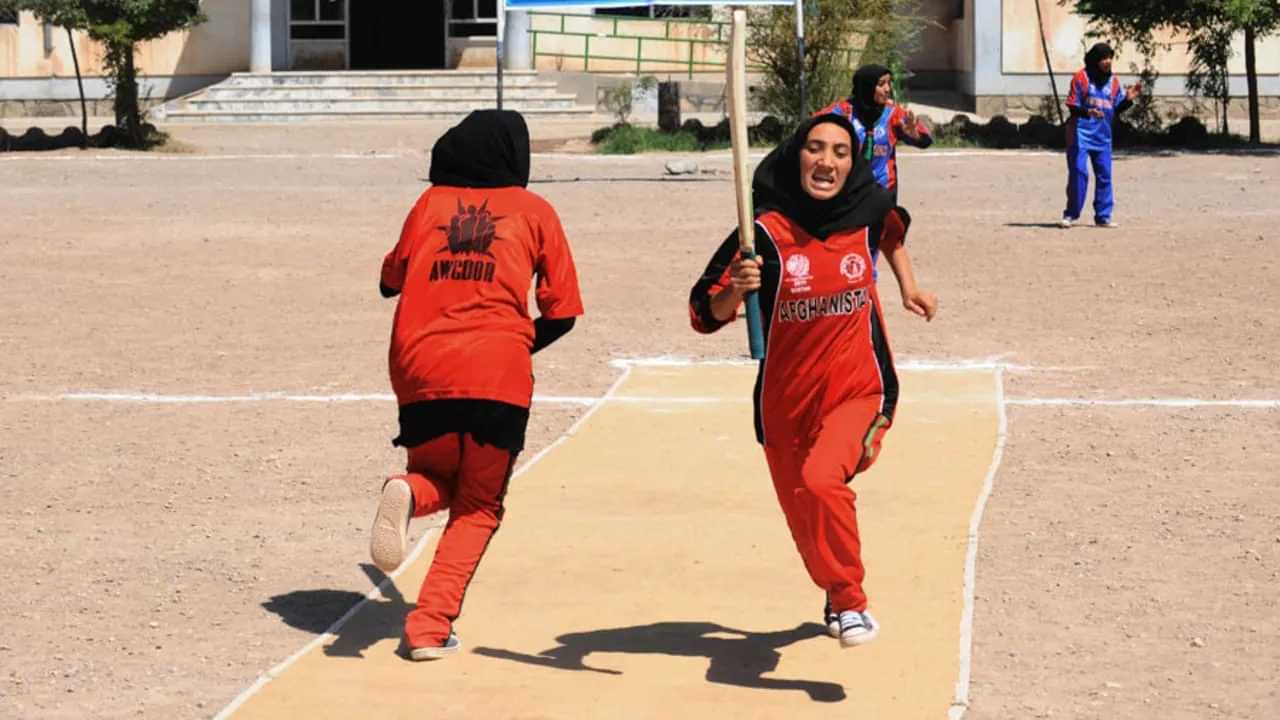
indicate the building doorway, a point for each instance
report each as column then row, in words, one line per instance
column 396, row 36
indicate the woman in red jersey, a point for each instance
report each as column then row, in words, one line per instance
column 826, row 389
column 460, row 353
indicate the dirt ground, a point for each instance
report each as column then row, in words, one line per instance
column 1130, row 555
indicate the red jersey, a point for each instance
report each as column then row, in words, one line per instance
column 824, row 332
column 465, row 262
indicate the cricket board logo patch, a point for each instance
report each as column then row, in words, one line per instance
column 853, row 267
column 798, row 272
column 798, row 266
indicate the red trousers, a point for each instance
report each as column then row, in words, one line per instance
column 470, row 480
column 811, row 476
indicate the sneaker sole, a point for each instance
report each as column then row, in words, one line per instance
column 862, row 638
column 391, row 525
column 833, row 629
column 433, row 653
column 859, row 639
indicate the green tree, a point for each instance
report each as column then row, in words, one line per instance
column 839, row 34
column 120, row 25
column 1209, row 26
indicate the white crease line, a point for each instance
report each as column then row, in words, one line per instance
column 995, row 362
column 376, row 592
column 162, row 399
column 1140, row 402
column 961, row 702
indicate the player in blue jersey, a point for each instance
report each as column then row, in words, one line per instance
column 1094, row 100
column 871, row 106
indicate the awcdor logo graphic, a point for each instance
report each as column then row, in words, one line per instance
column 472, row 230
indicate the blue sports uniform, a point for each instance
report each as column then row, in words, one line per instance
column 1089, row 141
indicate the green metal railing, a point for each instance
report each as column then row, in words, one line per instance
column 689, row 64
column 715, row 33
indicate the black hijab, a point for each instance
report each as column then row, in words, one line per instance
column 1093, row 60
column 864, row 93
column 776, row 186
column 488, row 149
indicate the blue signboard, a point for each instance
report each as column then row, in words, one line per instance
column 528, row 4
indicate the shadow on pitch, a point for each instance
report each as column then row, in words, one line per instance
column 316, row 611
column 737, row 657
column 1047, row 225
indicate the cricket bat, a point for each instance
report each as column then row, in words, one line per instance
column 736, row 82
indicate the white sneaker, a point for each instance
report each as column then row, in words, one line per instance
column 1108, row 223
column 391, row 525
column 831, row 619
column 1065, row 223
column 857, row 628
column 450, row 646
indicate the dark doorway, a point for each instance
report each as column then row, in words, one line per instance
column 397, row 36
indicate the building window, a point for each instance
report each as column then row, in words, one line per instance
column 8, row 17
column 318, row 19
column 473, row 18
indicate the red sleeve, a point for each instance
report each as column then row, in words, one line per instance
column 714, row 279
column 558, row 295
column 894, row 234
column 840, row 107
column 1074, row 92
column 396, row 263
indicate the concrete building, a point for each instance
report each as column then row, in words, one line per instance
column 986, row 52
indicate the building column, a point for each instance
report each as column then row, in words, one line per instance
column 516, row 53
column 260, row 37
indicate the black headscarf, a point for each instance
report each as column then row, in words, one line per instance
column 1093, row 60
column 776, row 186
column 488, row 149
column 864, row 93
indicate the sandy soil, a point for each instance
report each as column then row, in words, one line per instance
column 149, row 551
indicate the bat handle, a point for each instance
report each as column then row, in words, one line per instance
column 755, row 327
column 755, row 330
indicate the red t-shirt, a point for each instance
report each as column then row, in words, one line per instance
column 464, row 264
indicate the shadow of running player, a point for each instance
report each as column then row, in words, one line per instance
column 316, row 611
column 737, row 657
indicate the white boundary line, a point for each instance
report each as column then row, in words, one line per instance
column 18, row 157
column 961, row 702
column 588, row 401
column 376, row 592
column 1141, row 402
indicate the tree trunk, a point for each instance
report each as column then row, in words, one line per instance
column 1251, row 71
column 84, row 108
column 127, row 98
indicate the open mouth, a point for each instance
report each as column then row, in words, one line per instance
column 823, row 180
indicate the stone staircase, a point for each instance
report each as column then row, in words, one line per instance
column 369, row 95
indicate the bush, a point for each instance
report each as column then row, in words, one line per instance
column 834, row 32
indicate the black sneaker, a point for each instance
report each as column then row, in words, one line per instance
column 450, row 646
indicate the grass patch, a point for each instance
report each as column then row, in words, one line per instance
column 953, row 142
column 629, row 139
column 163, row 142
column 624, row 139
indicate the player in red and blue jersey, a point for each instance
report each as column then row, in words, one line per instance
column 1095, row 98
column 871, row 107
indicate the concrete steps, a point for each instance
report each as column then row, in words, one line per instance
column 302, row 96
